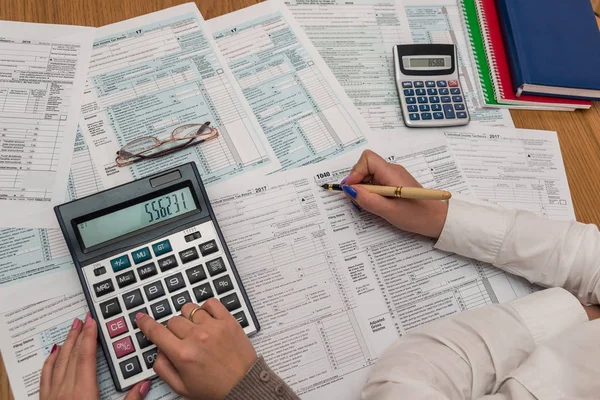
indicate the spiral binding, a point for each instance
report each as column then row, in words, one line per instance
column 491, row 58
column 479, row 68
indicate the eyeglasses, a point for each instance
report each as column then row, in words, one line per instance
column 151, row 147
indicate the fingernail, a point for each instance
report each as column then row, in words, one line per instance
column 88, row 319
column 344, row 180
column 76, row 323
column 356, row 207
column 54, row 348
column 349, row 190
column 139, row 315
column 145, row 388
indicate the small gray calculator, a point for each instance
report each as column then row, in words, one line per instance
column 149, row 246
column 429, row 86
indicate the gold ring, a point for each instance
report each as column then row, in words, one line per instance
column 191, row 316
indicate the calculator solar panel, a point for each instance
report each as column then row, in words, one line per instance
column 149, row 246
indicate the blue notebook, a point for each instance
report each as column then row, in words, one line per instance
column 553, row 47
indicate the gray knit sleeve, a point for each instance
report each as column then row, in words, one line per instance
column 261, row 383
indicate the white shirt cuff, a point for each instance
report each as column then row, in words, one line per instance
column 549, row 312
column 473, row 228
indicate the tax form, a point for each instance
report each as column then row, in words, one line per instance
column 440, row 21
column 26, row 254
column 516, row 168
column 42, row 74
column 331, row 287
column 304, row 112
column 355, row 38
column 153, row 73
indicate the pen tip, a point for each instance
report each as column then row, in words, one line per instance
column 325, row 186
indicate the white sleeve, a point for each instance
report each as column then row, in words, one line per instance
column 469, row 354
column 546, row 252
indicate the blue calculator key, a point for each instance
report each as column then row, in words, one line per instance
column 446, row 99
column 141, row 255
column 444, row 91
column 430, row 83
column 414, row 117
column 457, row 99
column 422, row 99
column 455, row 91
column 420, row 92
column 434, row 99
column 407, row 84
column 436, row 107
column 426, row 115
column 409, row 92
column 413, row 108
column 459, row 107
column 438, row 115
column 432, row 92
column 161, row 247
column 461, row 114
column 449, row 111
column 419, row 84
column 120, row 263
column 442, row 84
column 424, row 107
column 411, row 100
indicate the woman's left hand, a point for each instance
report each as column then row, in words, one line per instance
column 70, row 370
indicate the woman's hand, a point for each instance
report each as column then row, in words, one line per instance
column 70, row 370
column 203, row 359
column 425, row 217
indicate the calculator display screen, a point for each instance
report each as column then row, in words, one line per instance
column 138, row 216
column 427, row 62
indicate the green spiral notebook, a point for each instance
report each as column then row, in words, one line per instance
column 477, row 50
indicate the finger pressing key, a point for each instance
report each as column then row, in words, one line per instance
column 158, row 334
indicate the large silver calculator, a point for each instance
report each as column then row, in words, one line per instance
column 428, row 86
column 149, row 246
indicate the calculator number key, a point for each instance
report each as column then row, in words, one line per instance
column 161, row 309
column 142, row 340
column 150, row 356
column 132, row 317
column 133, row 299
column 110, row 308
column 223, row 284
column 180, row 299
column 203, row 292
column 174, row 282
column 154, row 290
column 208, row 248
column 130, row 367
column 103, row 288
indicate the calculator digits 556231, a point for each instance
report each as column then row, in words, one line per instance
column 429, row 86
column 149, row 246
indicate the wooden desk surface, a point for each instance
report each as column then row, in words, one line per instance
column 578, row 132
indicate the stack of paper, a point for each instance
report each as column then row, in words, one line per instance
column 332, row 287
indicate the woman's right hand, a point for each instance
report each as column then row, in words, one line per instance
column 425, row 217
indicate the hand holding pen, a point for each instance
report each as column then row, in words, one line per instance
column 425, row 217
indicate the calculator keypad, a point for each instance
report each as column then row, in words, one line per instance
column 158, row 279
column 434, row 100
